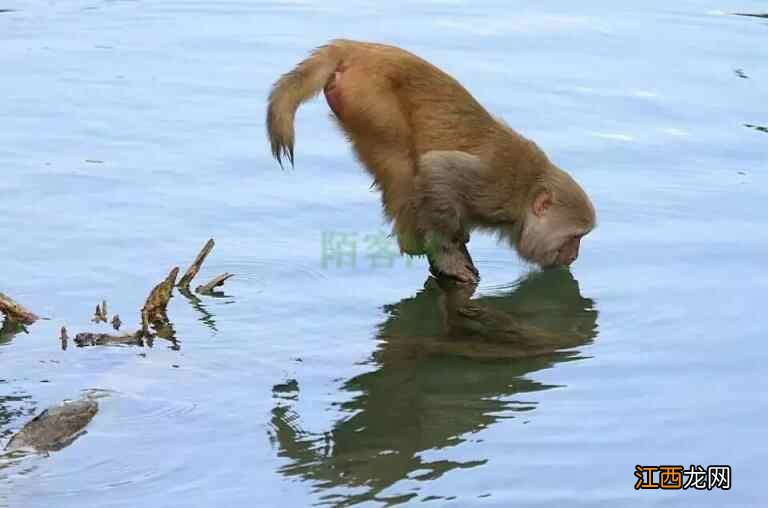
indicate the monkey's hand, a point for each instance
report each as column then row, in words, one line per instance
column 452, row 260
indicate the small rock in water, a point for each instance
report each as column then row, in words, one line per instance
column 56, row 427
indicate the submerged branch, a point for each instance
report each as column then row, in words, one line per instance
column 10, row 329
column 207, row 289
column 157, row 301
column 154, row 319
column 105, row 339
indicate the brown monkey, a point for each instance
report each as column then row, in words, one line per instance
column 444, row 165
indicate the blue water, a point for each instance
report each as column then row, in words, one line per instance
column 328, row 373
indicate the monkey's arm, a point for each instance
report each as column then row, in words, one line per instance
column 446, row 184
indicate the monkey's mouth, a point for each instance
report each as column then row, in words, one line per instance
column 542, row 262
column 551, row 264
column 556, row 264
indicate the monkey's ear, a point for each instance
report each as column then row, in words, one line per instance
column 541, row 203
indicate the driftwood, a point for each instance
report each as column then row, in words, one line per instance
column 194, row 268
column 15, row 311
column 157, row 301
column 105, row 339
column 207, row 289
column 153, row 313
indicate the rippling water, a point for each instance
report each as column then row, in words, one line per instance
column 132, row 131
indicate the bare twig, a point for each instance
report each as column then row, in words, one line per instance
column 196, row 264
column 15, row 311
column 214, row 283
column 100, row 315
column 64, row 338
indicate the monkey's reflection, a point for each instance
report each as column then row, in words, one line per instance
column 446, row 368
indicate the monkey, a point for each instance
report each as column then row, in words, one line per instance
column 444, row 165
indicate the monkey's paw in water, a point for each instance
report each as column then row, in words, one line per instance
column 454, row 263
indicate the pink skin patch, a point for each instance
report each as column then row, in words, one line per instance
column 332, row 91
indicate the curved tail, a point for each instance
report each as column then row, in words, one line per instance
column 294, row 88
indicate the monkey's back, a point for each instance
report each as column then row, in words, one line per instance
column 441, row 113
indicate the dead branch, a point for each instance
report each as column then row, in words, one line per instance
column 217, row 281
column 105, row 339
column 196, row 264
column 100, row 315
column 157, row 301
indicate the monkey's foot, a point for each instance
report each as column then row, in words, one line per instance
column 454, row 263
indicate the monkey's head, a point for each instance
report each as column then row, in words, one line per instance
column 558, row 214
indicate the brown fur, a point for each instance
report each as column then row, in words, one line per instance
column 443, row 163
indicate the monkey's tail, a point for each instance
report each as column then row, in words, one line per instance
column 295, row 87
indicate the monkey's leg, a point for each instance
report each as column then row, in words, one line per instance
column 465, row 251
column 440, row 220
column 368, row 109
column 454, row 262
column 445, row 192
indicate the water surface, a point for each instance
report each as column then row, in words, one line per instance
column 329, row 372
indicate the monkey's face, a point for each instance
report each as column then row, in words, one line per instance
column 549, row 241
column 551, row 234
column 569, row 251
